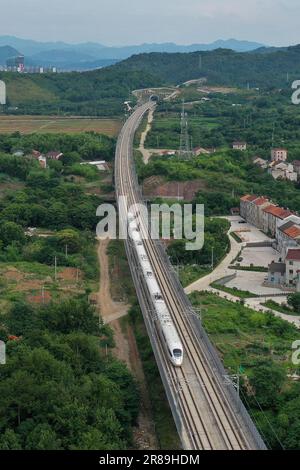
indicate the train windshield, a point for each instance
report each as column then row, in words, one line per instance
column 177, row 352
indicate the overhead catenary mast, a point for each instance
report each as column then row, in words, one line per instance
column 185, row 140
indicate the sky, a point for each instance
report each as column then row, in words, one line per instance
column 123, row 22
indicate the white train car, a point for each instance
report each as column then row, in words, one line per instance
column 166, row 328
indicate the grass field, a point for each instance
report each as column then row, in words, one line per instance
column 52, row 124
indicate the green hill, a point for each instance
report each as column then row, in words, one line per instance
column 222, row 66
column 102, row 92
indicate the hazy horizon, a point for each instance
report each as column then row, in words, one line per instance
column 113, row 23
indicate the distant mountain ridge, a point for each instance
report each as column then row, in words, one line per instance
column 6, row 52
column 92, row 55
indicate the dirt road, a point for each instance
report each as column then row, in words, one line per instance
column 109, row 309
column 126, row 349
column 146, row 153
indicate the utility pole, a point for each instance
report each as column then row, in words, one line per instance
column 43, row 295
column 212, row 258
column 184, row 152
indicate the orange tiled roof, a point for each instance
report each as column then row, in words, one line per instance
column 260, row 201
column 277, row 211
column 292, row 232
column 293, row 255
column 249, row 198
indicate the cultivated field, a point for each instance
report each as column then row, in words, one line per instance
column 52, row 124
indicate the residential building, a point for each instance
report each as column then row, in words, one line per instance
column 292, row 263
column 272, row 216
column 200, row 151
column 239, row 145
column 235, row 211
column 283, row 171
column 256, row 211
column 261, row 163
column 245, row 205
column 35, row 154
column 296, row 165
column 101, row 165
column 288, row 234
column 54, row 155
column 42, row 161
column 279, row 155
column 276, row 274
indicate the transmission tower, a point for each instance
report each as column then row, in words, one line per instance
column 185, row 150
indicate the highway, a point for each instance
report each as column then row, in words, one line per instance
column 208, row 413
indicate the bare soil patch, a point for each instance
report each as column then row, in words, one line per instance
column 172, row 189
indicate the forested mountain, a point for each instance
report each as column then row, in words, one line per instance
column 6, row 52
column 102, row 92
column 222, row 67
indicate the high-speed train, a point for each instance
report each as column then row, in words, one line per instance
column 166, row 328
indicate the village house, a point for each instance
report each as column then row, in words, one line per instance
column 35, row 154
column 200, row 151
column 272, row 216
column 245, row 205
column 292, row 262
column 296, row 165
column 239, row 145
column 261, row 163
column 54, row 155
column 276, row 274
column 288, row 234
column 279, row 155
column 42, row 161
column 251, row 209
column 101, row 165
column 256, row 211
column 283, row 171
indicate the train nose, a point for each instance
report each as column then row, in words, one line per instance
column 178, row 361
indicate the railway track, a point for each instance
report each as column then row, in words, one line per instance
column 208, row 420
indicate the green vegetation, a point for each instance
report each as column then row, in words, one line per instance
column 75, row 147
column 92, row 400
column 271, row 304
column 221, row 67
column 243, row 294
column 96, row 93
column 102, row 92
column 55, row 340
column 122, row 288
column 259, row 269
column 225, row 176
column 294, row 302
column 164, row 424
column 216, row 243
column 191, row 273
column 259, row 345
column 236, row 237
